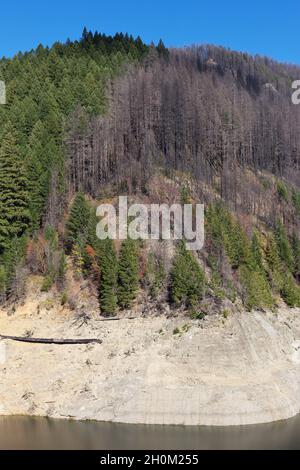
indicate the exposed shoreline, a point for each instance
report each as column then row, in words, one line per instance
column 241, row 370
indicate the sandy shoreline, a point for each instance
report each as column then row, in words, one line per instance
column 244, row 369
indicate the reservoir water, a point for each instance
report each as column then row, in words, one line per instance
column 43, row 433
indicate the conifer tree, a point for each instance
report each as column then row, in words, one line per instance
column 290, row 292
column 38, row 173
column 272, row 255
column 256, row 251
column 108, row 277
column 92, row 238
column 284, row 247
column 187, row 278
column 128, row 279
column 77, row 224
column 14, row 197
column 155, row 274
column 275, row 269
column 2, row 282
column 296, row 255
column 256, row 289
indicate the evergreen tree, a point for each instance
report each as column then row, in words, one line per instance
column 257, row 292
column 128, row 279
column 92, row 238
column 61, row 274
column 256, row 251
column 14, row 198
column 272, row 255
column 236, row 243
column 2, row 282
column 108, row 277
column 10, row 260
column 162, row 50
column 284, row 247
column 77, row 224
column 296, row 256
column 275, row 269
column 155, row 275
column 38, row 173
column 187, row 278
column 290, row 292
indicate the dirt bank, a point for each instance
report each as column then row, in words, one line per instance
column 239, row 370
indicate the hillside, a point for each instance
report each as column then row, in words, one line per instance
column 89, row 120
column 209, row 336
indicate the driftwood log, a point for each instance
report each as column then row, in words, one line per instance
column 116, row 318
column 51, row 340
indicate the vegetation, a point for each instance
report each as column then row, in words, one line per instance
column 128, row 280
column 108, row 280
column 187, row 278
column 50, row 91
column 77, row 225
column 66, row 130
column 155, row 275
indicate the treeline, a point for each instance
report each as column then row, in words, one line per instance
column 116, row 276
column 260, row 267
column 43, row 88
column 115, row 110
column 119, row 271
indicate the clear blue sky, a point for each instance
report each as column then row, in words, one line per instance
column 265, row 27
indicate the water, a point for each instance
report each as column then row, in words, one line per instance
column 43, row 433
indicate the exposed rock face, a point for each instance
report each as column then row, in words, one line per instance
column 239, row 370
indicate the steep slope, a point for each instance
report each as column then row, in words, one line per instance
column 215, row 334
column 153, row 369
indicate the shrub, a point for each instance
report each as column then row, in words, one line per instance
column 64, row 298
column 47, row 283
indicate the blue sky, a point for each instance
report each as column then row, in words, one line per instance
column 264, row 27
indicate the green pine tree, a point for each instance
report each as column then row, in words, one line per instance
column 155, row 275
column 187, row 278
column 290, row 292
column 256, row 251
column 284, row 247
column 296, row 255
column 14, row 197
column 108, row 277
column 78, row 222
column 38, row 173
column 256, row 289
column 128, row 277
column 274, row 264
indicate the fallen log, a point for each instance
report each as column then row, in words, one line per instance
column 26, row 339
column 116, row 318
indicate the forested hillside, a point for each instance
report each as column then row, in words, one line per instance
column 44, row 87
column 89, row 120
